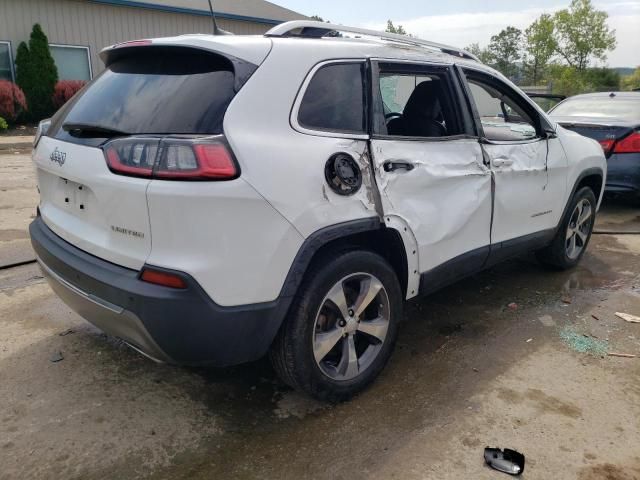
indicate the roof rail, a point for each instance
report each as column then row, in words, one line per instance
column 313, row 29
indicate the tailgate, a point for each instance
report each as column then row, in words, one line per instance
column 83, row 202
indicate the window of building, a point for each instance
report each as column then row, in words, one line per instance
column 6, row 61
column 72, row 62
column 334, row 99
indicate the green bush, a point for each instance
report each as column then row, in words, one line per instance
column 570, row 81
column 3, row 124
column 37, row 74
column 632, row 81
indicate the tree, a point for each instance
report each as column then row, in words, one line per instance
column 599, row 79
column 318, row 18
column 24, row 71
column 567, row 80
column 391, row 28
column 582, row 34
column 505, row 50
column 482, row 53
column 37, row 74
column 539, row 45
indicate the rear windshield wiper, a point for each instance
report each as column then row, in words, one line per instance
column 89, row 130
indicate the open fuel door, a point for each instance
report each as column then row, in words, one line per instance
column 430, row 170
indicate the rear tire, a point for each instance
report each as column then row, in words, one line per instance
column 573, row 235
column 341, row 328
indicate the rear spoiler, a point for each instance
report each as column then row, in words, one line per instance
column 252, row 49
column 242, row 69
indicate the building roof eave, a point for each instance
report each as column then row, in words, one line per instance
column 190, row 11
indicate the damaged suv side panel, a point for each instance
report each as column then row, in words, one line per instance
column 445, row 198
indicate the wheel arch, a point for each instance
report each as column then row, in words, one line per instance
column 591, row 177
column 368, row 234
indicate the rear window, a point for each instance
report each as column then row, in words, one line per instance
column 334, row 99
column 157, row 91
column 623, row 108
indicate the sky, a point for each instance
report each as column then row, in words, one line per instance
column 460, row 22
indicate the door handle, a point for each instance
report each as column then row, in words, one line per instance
column 390, row 166
column 502, row 162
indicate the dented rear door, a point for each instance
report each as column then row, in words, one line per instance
column 438, row 187
column 445, row 198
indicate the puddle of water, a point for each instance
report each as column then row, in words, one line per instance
column 547, row 321
column 295, row 404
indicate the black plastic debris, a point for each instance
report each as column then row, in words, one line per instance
column 507, row 461
column 56, row 357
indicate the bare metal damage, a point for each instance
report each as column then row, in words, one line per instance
column 365, row 195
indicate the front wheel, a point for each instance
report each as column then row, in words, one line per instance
column 342, row 326
column 574, row 233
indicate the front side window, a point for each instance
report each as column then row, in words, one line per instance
column 5, row 61
column 416, row 103
column 502, row 114
column 334, row 99
column 72, row 62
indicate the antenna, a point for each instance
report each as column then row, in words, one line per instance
column 216, row 30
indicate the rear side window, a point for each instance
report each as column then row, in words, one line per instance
column 334, row 99
column 157, row 91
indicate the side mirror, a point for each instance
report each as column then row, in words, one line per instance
column 507, row 460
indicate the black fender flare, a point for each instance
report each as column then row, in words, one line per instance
column 584, row 174
column 317, row 240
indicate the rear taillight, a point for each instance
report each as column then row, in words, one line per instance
column 606, row 145
column 194, row 160
column 629, row 144
column 172, row 158
column 134, row 157
column 160, row 277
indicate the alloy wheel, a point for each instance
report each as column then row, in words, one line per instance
column 351, row 326
column 578, row 229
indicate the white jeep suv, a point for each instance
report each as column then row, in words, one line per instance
column 209, row 199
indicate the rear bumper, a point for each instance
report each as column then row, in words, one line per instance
column 176, row 326
column 623, row 174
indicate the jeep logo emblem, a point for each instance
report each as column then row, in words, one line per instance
column 58, row 157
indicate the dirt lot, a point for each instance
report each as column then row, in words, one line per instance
column 468, row 372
